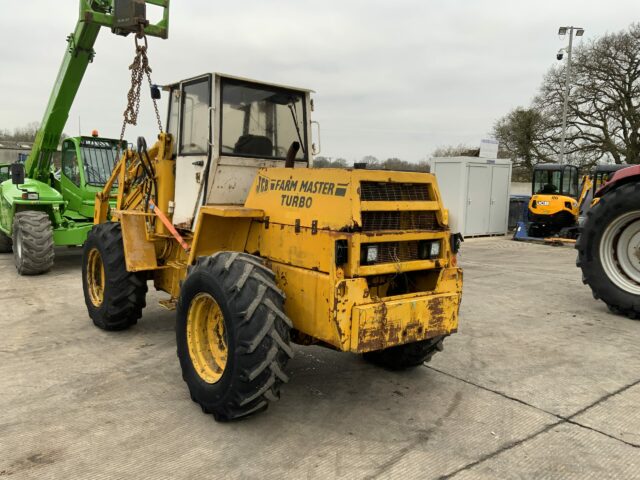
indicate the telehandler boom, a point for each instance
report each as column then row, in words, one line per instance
column 50, row 208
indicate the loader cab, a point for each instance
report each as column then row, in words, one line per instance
column 225, row 128
column 86, row 164
column 554, row 179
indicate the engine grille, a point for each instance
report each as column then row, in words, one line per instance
column 393, row 192
column 392, row 252
column 403, row 220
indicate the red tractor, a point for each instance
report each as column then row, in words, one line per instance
column 609, row 244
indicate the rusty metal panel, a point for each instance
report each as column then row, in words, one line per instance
column 409, row 319
column 140, row 253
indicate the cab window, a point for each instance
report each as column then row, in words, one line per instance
column 546, row 181
column 172, row 123
column 194, row 131
column 261, row 121
column 569, row 182
column 70, row 166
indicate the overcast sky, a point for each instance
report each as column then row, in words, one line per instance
column 392, row 78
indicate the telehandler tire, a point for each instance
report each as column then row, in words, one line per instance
column 405, row 356
column 114, row 297
column 33, row 249
column 609, row 248
column 233, row 338
column 5, row 243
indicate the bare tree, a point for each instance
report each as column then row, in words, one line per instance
column 455, row 151
column 603, row 114
column 522, row 134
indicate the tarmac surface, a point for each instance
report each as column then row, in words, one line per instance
column 541, row 381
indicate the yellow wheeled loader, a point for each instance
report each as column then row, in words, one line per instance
column 257, row 251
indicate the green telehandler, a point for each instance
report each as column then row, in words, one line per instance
column 47, row 208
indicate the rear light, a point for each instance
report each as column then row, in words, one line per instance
column 342, row 252
column 371, row 254
column 30, row 195
column 429, row 249
column 456, row 242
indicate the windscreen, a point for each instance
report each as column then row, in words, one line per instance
column 261, row 121
column 563, row 181
column 99, row 159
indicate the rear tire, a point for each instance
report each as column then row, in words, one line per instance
column 33, row 250
column 5, row 243
column 114, row 297
column 405, row 356
column 233, row 355
column 608, row 250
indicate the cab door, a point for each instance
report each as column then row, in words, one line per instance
column 194, row 147
column 70, row 180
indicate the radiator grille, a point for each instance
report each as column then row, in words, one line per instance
column 393, row 192
column 403, row 220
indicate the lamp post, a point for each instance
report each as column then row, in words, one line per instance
column 562, row 31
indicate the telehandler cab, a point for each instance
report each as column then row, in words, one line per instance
column 258, row 251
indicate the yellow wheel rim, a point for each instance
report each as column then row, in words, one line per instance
column 206, row 338
column 95, row 277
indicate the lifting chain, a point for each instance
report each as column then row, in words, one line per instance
column 139, row 69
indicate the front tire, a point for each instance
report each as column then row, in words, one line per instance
column 609, row 250
column 233, row 338
column 114, row 297
column 33, row 249
column 405, row 356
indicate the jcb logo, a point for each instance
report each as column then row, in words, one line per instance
column 262, row 185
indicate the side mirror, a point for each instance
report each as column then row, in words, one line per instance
column 155, row 92
column 17, row 173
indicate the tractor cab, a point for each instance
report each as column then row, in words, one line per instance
column 86, row 165
column 602, row 174
column 226, row 128
column 553, row 205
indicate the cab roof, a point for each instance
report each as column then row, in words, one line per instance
column 234, row 77
column 552, row 166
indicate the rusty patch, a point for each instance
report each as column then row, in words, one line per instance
column 436, row 314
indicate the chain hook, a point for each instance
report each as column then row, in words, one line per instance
column 139, row 69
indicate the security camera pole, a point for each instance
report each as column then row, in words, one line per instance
column 563, row 31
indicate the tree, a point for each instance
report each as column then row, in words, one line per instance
column 26, row 133
column 522, row 137
column 370, row 161
column 325, row 162
column 455, row 151
column 604, row 104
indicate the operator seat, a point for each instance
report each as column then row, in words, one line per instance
column 254, row 145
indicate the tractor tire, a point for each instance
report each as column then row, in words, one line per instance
column 5, row 243
column 609, row 250
column 114, row 297
column 33, row 248
column 233, row 338
column 405, row 356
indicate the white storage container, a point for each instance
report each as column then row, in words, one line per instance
column 476, row 193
